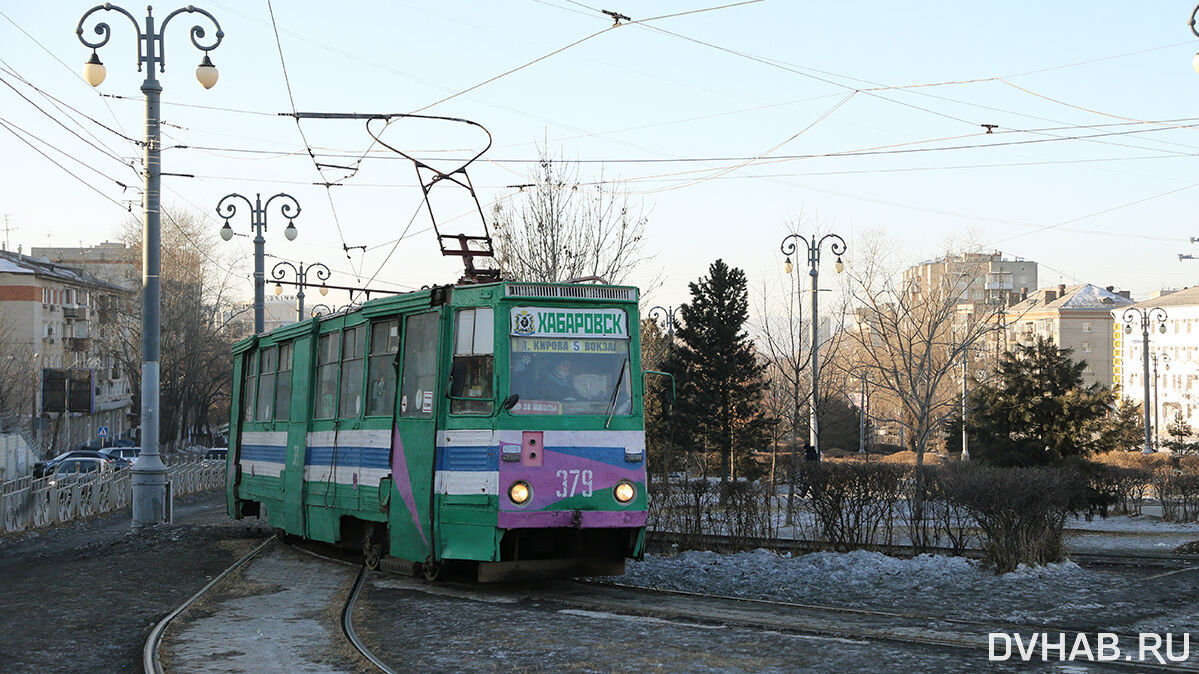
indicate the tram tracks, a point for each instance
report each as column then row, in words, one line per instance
column 684, row 610
column 151, row 662
column 831, row 622
column 661, row 540
column 151, row 656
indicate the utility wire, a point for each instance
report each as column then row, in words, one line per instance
column 1097, row 213
column 60, row 104
column 104, row 151
column 328, row 186
column 74, row 72
column 65, row 169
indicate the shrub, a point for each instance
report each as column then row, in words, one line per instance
column 1113, row 489
column 745, row 516
column 945, row 522
column 855, row 503
column 1019, row 511
column 1178, row 493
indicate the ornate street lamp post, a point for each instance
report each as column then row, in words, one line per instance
column 789, row 248
column 149, row 473
column 290, row 208
column 300, row 271
column 668, row 316
column 1158, row 315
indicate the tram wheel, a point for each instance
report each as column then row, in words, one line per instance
column 431, row 569
column 372, row 548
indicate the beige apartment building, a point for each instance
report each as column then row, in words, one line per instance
column 1076, row 317
column 981, row 279
column 115, row 263
column 56, row 319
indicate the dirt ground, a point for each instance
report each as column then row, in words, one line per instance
column 83, row 597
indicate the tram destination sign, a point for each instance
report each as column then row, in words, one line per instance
column 575, row 323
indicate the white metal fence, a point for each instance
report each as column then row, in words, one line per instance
column 34, row 504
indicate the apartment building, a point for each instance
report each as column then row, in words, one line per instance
column 980, row 279
column 112, row 262
column 1076, row 317
column 58, row 319
column 1177, row 358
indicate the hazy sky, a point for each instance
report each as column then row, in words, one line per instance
column 721, row 124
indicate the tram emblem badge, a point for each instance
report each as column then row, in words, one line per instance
column 524, row 322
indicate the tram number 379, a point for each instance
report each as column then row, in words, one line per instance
column 570, row 483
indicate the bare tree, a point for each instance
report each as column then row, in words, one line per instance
column 18, row 377
column 909, row 335
column 196, row 361
column 560, row 229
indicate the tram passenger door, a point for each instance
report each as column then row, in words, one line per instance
column 298, row 355
column 413, row 439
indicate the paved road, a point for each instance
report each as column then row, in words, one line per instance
column 83, row 597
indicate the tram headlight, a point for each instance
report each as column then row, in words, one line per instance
column 520, row 492
column 624, row 492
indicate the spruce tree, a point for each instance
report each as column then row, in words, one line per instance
column 1038, row 411
column 721, row 379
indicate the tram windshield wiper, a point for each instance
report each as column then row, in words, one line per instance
column 616, row 392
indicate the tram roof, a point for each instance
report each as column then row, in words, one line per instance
column 469, row 293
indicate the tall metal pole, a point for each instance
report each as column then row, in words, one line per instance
column 149, row 473
column 1145, row 357
column 814, row 273
column 1131, row 315
column 1157, row 436
column 290, row 208
column 788, row 247
column 965, row 439
column 259, row 266
column 862, row 419
column 300, row 297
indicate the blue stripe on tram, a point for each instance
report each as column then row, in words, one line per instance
column 479, row 458
column 365, row 457
column 271, row 453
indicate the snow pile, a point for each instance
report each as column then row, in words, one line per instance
column 934, row 583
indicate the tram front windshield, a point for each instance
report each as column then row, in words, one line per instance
column 570, row 376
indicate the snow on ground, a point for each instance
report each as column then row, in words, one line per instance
column 927, row 584
column 1132, row 523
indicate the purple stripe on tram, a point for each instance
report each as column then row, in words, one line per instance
column 399, row 477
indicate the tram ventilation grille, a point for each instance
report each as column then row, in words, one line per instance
column 578, row 292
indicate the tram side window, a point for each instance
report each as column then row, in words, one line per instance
column 352, row 345
column 419, row 383
column 283, row 383
column 381, row 372
column 250, row 367
column 471, row 374
column 269, row 362
column 328, row 350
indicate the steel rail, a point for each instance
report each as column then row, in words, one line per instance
column 801, row 545
column 347, row 611
column 150, row 660
column 922, row 636
column 347, row 624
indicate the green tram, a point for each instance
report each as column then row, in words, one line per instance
column 498, row 426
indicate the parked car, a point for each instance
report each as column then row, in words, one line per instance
column 80, row 469
column 45, row 468
column 123, row 457
column 217, row 454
